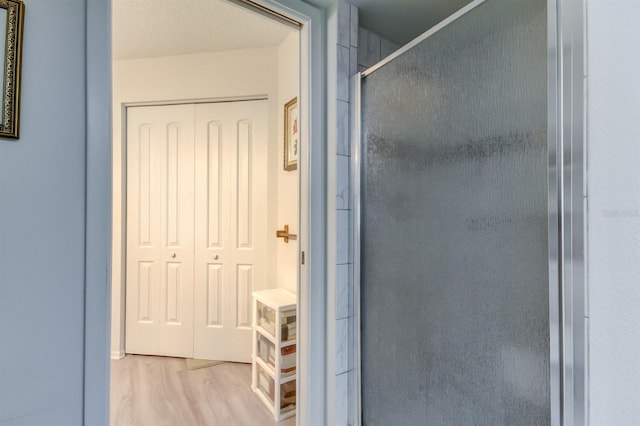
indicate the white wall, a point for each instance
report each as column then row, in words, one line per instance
column 288, row 86
column 42, row 219
column 232, row 73
column 613, row 86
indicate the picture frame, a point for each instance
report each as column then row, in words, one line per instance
column 291, row 135
column 11, row 25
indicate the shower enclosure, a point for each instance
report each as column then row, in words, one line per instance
column 468, row 212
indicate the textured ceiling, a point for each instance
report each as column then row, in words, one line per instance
column 152, row 28
column 149, row 28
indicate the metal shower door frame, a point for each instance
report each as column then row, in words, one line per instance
column 567, row 207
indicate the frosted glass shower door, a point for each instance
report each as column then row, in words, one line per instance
column 454, row 225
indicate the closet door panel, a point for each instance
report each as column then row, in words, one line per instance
column 231, row 220
column 160, row 229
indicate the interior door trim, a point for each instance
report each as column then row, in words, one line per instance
column 197, row 101
column 269, row 13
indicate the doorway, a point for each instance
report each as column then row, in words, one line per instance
column 311, row 301
column 184, row 96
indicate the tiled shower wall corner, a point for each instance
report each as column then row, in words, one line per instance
column 357, row 49
column 347, row 54
column 372, row 48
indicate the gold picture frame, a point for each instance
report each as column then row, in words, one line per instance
column 12, row 18
column 291, row 135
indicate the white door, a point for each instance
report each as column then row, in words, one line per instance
column 160, row 230
column 196, row 228
column 231, row 223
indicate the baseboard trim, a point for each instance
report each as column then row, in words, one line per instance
column 116, row 355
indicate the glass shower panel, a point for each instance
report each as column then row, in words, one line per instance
column 454, row 245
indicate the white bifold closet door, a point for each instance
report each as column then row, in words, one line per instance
column 160, row 230
column 231, row 219
column 196, row 228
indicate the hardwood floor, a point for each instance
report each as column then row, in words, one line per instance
column 159, row 391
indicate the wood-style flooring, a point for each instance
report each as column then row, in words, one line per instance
column 159, row 391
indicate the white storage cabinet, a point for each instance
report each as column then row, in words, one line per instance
column 275, row 351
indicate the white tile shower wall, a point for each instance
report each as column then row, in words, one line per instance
column 387, row 47
column 372, row 48
column 343, row 402
column 344, row 292
column 356, row 49
column 343, row 129
column 368, row 48
column 347, row 65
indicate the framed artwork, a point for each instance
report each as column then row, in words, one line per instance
column 291, row 135
column 11, row 22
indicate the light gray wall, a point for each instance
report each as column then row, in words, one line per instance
column 42, row 220
column 614, row 211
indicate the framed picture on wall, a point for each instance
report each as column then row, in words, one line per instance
column 291, row 135
column 11, row 23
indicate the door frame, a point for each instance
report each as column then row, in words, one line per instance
column 312, row 275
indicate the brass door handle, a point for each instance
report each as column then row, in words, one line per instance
column 285, row 235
